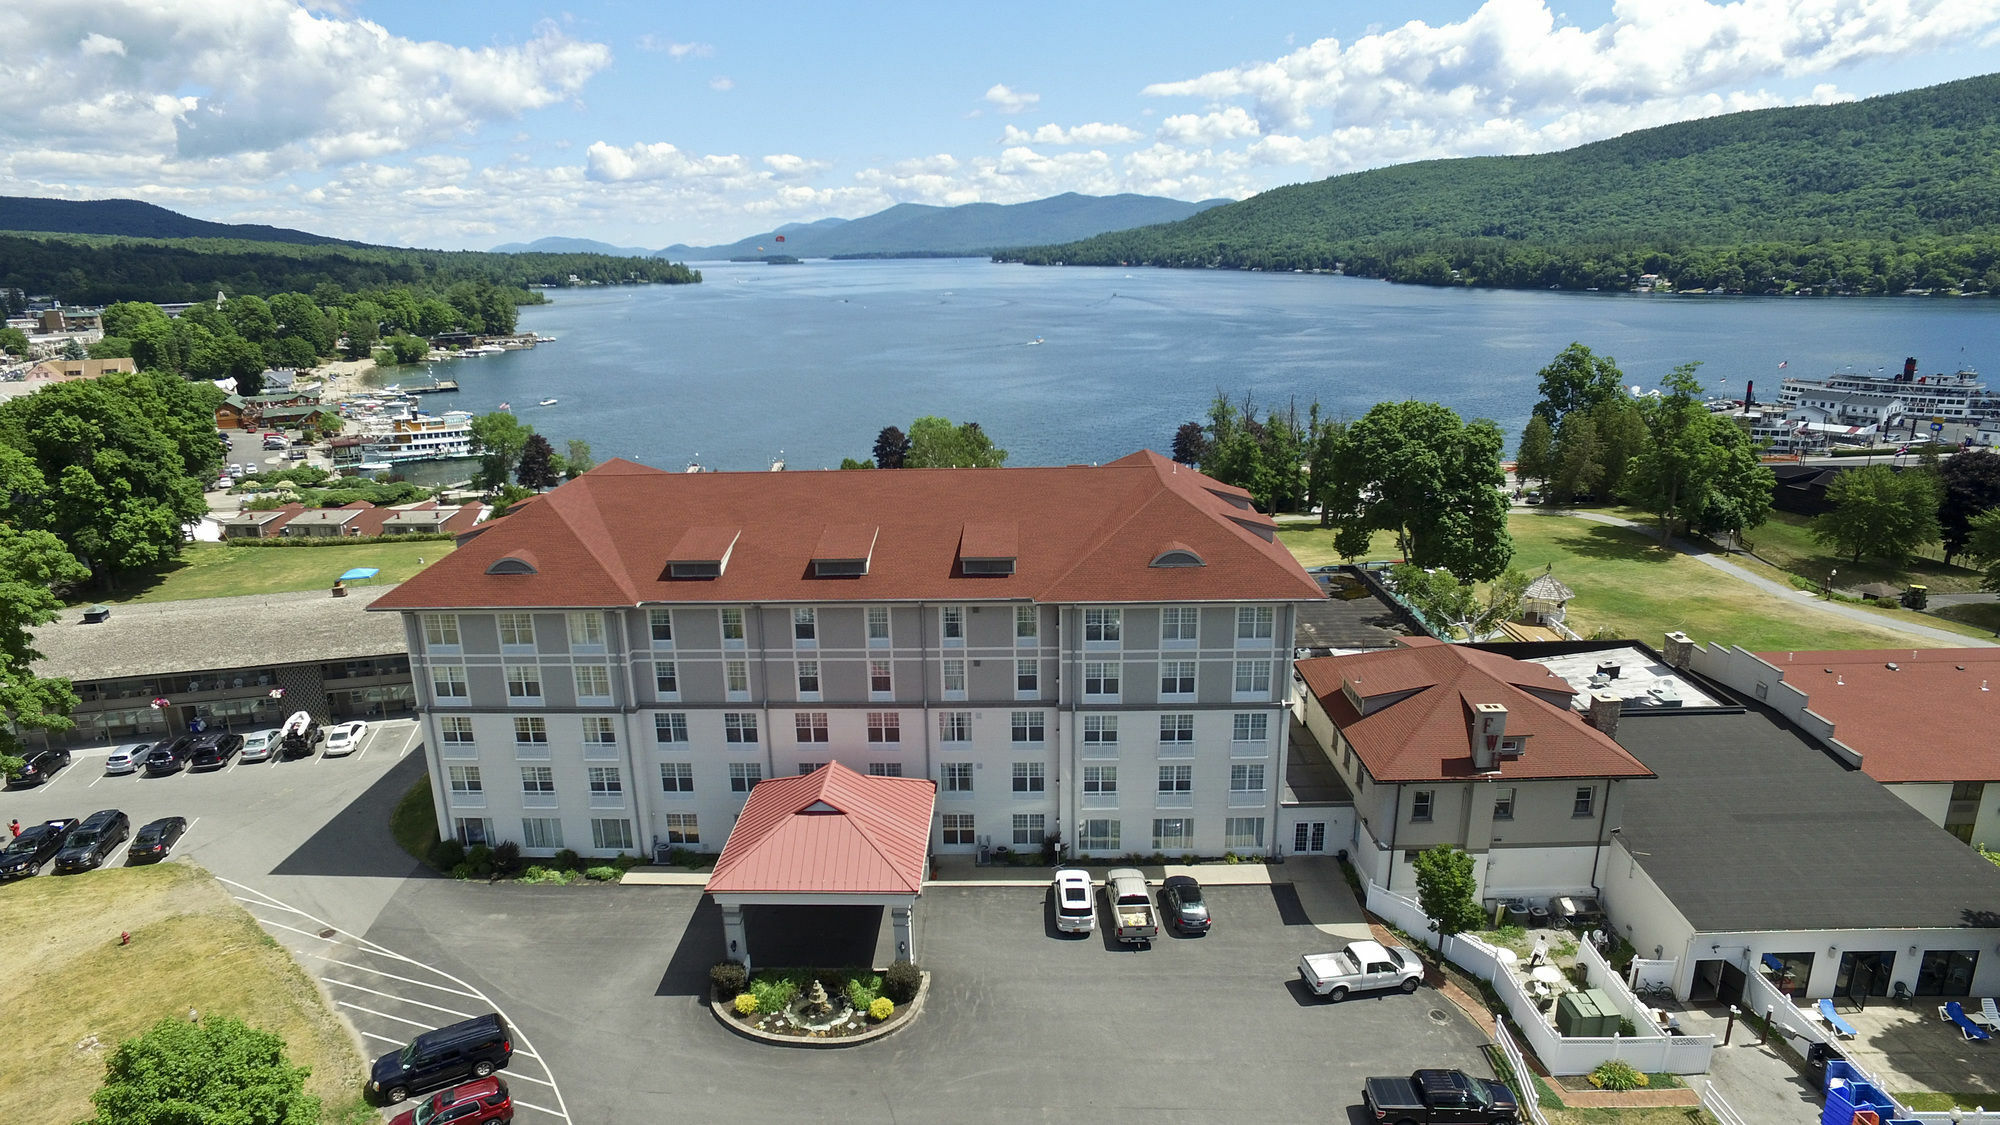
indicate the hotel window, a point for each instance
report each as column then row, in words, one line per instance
column 586, row 630
column 744, row 776
column 1100, row 780
column 885, row 769
column 810, row 725
column 880, row 681
column 599, row 731
column 1100, row 677
column 1027, row 677
column 1246, row 778
column 736, row 678
column 739, row 726
column 1586, row 802
column 541, row 832
column 682, row 828
column 732, row 627
column 662, row 621
column 1027, row 726
column 955, row 726
column 447, row 682
column 954, row 677
column 1421, row 802
column 1028, row 777
column 1243, row 832
column 465, row 781
column 878, row 624
column 531, row 732
column 671, row 727
column 805, row 627
column 885, row 726
column 1253, row 727
column 605, row 781
column 538, row 780
column 1254, row 622
column 517, row 630
column 472, row 830
column 456, row 730
column 609, row 834
column 1101, row 624
column 1176, row 729
column 1028, row 830
column 955, row 777
column 958, row 828
column 1176, row 677
column 676, row 777
column 593, row 681
column 1173, row 832
column 441, row 629
column 1100, row 730
column 1099, row 836
column 808, row 679
column 666, row 679
column 951, row 624
column 1027, row 622
column 524, row 683
column 1253, row 677
column 1179, row 624
column 1503, row 804
column 1176, row 779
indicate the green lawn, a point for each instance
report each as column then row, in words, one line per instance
column 1313, row 546
column 1786, row 540
column 215, row 570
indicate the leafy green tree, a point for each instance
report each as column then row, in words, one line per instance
column 1447, row 891
column 219, row 1071
column 1879, row 513
column 110, row 347
column 1620, row 429
column 290, row 351
column 1738, row 490
column 1416, row 469
column 1190, row 443
column 125, row 317
column 251, row 319
column 1534, row 458
column 405, row 348
column 435, row 317
column 856, row 463
column 73, row 349
column 498, row 438
column 1456, row 607
column 31, row 564
column 1577, row 458
column 299, row 318
column 13, row 341
column 1971, row 488
column 1325, row 438
column 537, row 469
column 363, row 323
column 579, row 459
column 1696, row 466
column 937, row 444
column 892, row 448
column 1577, row 379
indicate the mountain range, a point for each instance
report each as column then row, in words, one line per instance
column 132, row 219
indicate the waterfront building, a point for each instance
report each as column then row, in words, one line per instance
column 1094, row 653
column 1882, row 400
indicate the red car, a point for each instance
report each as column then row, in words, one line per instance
column 472, row 1103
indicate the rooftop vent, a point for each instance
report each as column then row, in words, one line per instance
column 96, row 614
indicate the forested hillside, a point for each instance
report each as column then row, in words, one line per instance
column 1884, row 195
column 134, row 219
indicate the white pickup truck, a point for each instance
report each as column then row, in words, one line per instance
column 1134, row 920
column 1364, row 966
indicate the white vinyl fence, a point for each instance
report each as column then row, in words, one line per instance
column 1524, row 1079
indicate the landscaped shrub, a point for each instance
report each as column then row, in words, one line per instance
column 479, row 857
column 1617, row 1075
column 605, row 874
column 728, row 978
column 746, row 1004
column 1626, row 1027
column 863, row 989
column 881, row 1009
column 567, row 857
column 774, row 991
column 902, row 981
column 506, row 857
column 540, row 874
column 625, row 863
column 447, row 854
column 1886, row 603
column 463, row 871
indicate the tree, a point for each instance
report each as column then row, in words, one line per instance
column 937, row 444
column 13, row 341
column 31, row 563
column 1879, row 513
column 538, row 464
column 1577, row 379
column 1577, row 458
column 215, row 1071
column 892, row 448
column 1454, row 606
column 1696, row 466
column 1446, row 890
column 579, row 460
column 1971, row 487
column 405, row 348
column 364, row 327
column 1416, row 469
column 1982, row 545
column 1534, row 459
column 73, row 349
column 498, row 438
column 1235, row 455
column 1621, row 434
column 856, row 463
column 229, row 357
column 1191, row 444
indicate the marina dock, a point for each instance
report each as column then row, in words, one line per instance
column 441, row 386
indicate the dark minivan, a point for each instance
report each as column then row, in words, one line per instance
column 90, row 842
column 213, row 751
column 476, row 1047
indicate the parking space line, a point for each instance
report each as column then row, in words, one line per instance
column 294, row 929
column 519, row 1104
column 392, row 976
column 385, row 1015
column 415, row 730
column 269, row 905
column 532, row 1078
column 398, row 999
column 384, row 1038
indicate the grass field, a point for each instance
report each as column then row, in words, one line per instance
column 414, row 823
column 1786, row 540
column 216, row 570
column 69, row 980
column 1313, row 546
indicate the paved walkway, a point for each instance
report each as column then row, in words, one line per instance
column 1797, row 597
column 1756, row 1081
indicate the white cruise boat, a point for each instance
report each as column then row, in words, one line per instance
column 423, row 437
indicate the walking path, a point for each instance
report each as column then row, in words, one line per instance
column 1797, row 597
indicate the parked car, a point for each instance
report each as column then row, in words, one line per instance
column 41, row 766
column 35, row 846
column 1134, row 920
column 213, row 751
column 1364, row 966
column 223, row 484
column 127, row 758
column 1181, row 901
column 297, row 453
column 259, row 745
column 298, row 736
column 1441, row 1096
column 156, row 841
column 343, row 739
column 1076, row 910
column 473, row 1103
column 90, row 843
column 473, row 1048
column 169, row 757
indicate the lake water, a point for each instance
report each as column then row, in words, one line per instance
column 811, row 361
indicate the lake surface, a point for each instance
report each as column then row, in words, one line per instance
column 811, row 361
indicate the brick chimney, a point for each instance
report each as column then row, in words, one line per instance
column 1679, row 650
column 1603, row 713
column 1489, row 727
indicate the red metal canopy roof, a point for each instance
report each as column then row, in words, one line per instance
column 832, row 831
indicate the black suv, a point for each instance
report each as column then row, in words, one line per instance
column 33, row 847
column 213, row 751
column 92, row 841
column 41, row 766
column 169, row 757
column 477, row 1047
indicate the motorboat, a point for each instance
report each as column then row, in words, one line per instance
column 546, row 402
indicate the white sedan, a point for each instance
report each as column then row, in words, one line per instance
column 343, row 739
column 259, row 745
column 128, row 758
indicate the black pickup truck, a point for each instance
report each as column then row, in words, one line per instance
column 1440, row 1096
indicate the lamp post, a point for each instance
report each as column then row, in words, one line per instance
column 1830, row 574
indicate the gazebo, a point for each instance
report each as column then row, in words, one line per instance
column 820, row 854
column 1545, row 601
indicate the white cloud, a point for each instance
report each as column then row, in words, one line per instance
column 676, row 51
column 1228, row 124
column 1010, row 101
column 98, row 44
column 787, row 165
column 1095, row 133
column 722, row 84
column 659, row 161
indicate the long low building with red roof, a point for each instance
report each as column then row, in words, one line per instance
column 1091, row 653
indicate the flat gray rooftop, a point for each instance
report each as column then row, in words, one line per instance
column 165, row 638
column 1351, row 624
column 1642, row 679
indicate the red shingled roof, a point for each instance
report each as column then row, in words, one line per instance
column 1930, row 720
column 1424, row 730
column 1083, row 533
column 832, row 831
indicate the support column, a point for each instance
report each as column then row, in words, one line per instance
column 906, row 941
column 736, row 940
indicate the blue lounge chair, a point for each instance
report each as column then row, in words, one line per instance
column 1840, row 1026
column 1954, row 1012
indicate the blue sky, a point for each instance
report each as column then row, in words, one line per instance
column 462, row 125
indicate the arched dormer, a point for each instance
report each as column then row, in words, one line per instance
column 1177, row 554
column 520, row 562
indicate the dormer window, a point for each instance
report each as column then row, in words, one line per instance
column 701, row 552
column 843, row 550
column 988, row 567
column 512, row 564
column 1176, row 554
column 987, row 550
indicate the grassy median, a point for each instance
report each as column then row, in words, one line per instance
column 71, row 993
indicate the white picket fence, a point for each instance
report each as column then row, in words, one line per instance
column 1713, row 1101
column 1761, row 997
column 1524, row 1079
